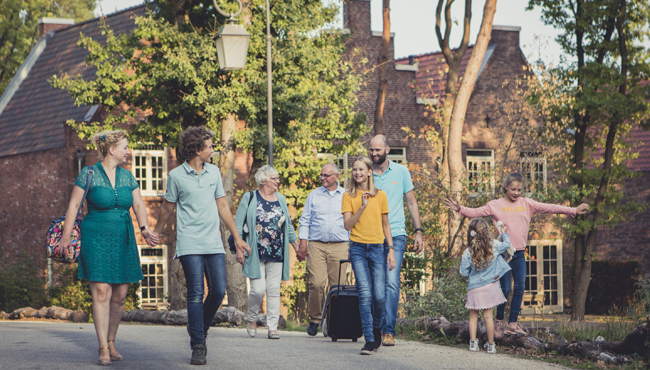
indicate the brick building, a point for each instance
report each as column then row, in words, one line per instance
column 39, row 156
column 418, row 82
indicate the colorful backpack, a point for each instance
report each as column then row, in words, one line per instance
column 55, row 231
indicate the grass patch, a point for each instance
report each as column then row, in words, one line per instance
column 292, row 326
column 613, row 328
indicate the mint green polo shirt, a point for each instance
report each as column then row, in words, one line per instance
column 197, row 215
column 396, row 182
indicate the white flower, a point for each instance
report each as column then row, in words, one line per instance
column 472, row 233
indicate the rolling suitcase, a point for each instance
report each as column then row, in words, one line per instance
column 341, row 317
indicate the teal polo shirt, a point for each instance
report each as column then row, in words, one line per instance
column 197, row 215
column 396, row 182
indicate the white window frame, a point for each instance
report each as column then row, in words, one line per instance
column 527, row 309
column 530, row 174
column 473, row 162
column 148, row 154
column 396, row 156
column 165, row 274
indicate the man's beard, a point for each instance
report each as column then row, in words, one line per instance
column 382, row 158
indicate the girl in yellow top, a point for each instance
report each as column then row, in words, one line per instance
column 365, row 214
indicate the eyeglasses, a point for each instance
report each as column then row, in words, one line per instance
column 277, row 178
column 325, row 176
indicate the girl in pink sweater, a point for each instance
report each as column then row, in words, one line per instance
column 516, row 212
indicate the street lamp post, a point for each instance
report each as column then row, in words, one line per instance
column 231, row 41
column 232, row 47
column 269, row 77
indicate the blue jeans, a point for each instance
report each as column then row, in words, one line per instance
column 368, row 264
column 199, row 313
column 518, row 266
column 393, row 284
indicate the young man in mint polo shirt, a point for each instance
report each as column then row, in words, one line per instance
column 193, row 188
column 395, row 180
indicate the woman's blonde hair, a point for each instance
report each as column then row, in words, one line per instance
column 352, row 185
column 479, row 240
column 107, row 139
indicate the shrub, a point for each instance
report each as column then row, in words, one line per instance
column 643, row 293
column 447, row 298
column 294, row 294
column 22, row 279
column 612, row 286
column 75, row 294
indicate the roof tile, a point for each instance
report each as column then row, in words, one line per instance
column 33, row 119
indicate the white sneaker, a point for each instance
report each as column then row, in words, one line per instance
column 473, row 345
column 491, row 348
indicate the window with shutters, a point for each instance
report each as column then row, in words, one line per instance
column 149, row 167
column 480, row 171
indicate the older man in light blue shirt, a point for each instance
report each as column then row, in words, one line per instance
column 323, row 240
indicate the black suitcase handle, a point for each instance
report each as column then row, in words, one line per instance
column 341, row 262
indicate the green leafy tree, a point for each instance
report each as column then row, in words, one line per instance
column 165, row 76
column 598, row 94
column 19, row 28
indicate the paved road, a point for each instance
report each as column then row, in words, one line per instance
column 48, row 345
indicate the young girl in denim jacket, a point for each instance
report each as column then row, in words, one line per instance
column 483, row 266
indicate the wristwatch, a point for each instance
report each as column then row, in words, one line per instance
column 419, row 229
column 142, row 228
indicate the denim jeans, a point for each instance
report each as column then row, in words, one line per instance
column 368, row 264
column 393, row 284
column 518, row 266
column 199, row 313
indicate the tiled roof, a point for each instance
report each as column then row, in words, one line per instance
column 431, row 77
column 34, row 117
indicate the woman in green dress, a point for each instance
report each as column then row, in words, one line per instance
column 109, row 256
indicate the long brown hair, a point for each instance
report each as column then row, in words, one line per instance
column 480, row 244
column 352, row 185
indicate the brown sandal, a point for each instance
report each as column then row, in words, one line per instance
column 115, row 358
column 101, row 362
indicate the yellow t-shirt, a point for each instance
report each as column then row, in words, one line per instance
column 368, row 229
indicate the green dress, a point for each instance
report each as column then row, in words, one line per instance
column 109, row 253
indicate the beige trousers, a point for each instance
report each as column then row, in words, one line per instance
column 323, row 267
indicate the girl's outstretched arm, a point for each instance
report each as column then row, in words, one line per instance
column 486, row 210
column 538, row 207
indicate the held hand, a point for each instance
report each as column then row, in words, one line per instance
column 419, row 242
column 503, row 229
column 240, row 256
column 582, row 209
column 241, row 245
column 452, row 204
column 365, row 198
column 150, row 237
column 390, row 260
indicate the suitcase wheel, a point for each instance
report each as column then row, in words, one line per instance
column 334, row 339
column 354, row 340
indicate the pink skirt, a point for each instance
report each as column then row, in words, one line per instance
column 485, row 297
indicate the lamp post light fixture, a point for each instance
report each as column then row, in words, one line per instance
column 231, row 42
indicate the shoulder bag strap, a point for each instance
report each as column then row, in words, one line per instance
column 250, row 199
column 89, row 179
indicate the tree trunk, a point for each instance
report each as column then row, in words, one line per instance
column 585, row 254
column 456, row 167
column 177, row 288
column 235, row 280
column 453, row 60
column 382, row 60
